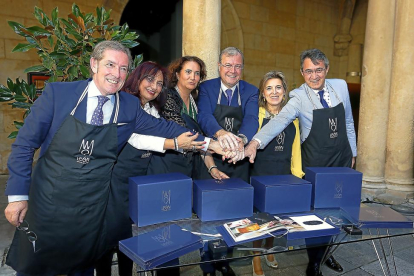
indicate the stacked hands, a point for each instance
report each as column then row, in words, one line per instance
column 228, row 145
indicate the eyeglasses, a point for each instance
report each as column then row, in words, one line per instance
column 151, row 80
column 31, row 236
column 228, row 66
column 317, row 71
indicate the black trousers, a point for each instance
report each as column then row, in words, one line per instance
column 316, row 254
column 104, row 265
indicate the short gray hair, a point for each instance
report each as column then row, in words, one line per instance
column 315, row 55
column 231, row 51
column 102, row 46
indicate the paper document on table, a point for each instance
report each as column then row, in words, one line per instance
column 312, row 222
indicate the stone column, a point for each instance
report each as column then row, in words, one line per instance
column 400, row 137
column 354, row 63
column 202, row 32
column 375, row 87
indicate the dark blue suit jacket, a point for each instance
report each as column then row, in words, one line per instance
column 48, row 113
column 207, row 101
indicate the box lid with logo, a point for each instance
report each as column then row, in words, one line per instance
column 159, row 246
column 277, row 194
column 159, row 198
column 336, row 187
column 225, row 199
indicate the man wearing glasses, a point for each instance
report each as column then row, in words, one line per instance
column 228, row 109
column 326, row 125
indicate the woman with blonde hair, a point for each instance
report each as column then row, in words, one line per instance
column 282, row 155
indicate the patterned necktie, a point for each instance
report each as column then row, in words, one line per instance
column 229, row 95
column 97, row 116
column 323, row 102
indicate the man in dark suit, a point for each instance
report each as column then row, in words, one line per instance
column 80, row 127
column 228, row 109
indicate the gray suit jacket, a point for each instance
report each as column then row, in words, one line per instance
column 299, row 106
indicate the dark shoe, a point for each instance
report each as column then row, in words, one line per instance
column 333, row 264
column 313, row 270
column 226, row 270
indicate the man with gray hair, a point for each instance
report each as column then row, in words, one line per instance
column 326, row 127
column 80, row 127
column 228, row 109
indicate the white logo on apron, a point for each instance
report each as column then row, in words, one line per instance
column 86, row 150
column 228, row 124
column 280, row 139
column 166, row 199
column 333, row 125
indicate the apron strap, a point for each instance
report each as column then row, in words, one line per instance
column 330, row 86
column 85, row 92
column 334, row 92
column 80, row 99
column 238, row 95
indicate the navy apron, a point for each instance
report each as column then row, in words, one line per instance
column 172, row 161
column 67, row 200
column 327, row 144
column 275, row 158
column 131, row 162
column 230, row 119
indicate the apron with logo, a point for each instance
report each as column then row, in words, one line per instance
column 230, row 119
column 67, row 200
column 275, row 158
column 327, row 144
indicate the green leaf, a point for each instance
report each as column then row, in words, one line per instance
column 18, row 125
column 129, row 43
column 20, row 98
column 75, row 10
column 21, row 105
column 38, row 15
column 55, row 16
column 99, row 15
column 31, row 91
column 13, row 135
column 48, row 62
column 18, row 28
column 21, row 47
column 84, row 71
column 50, row 40
column 10, row 84
column 6, row 99
column 73, row 71
column 38, row 31
column 53, row 78
column 36, row 68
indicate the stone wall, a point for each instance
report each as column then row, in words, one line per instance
column 275, row 32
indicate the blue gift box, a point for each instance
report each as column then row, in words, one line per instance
column 336, row 187
column 225, row 199
column 277, row 194
column 160, row 246
column 159, row 198
column 382, row 217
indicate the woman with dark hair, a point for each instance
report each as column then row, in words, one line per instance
column 147, row 82
column 185, row 75
column 282, row 155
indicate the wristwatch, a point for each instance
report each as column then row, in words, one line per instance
column 243, row 137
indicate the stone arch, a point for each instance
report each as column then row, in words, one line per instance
column 231, row 30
